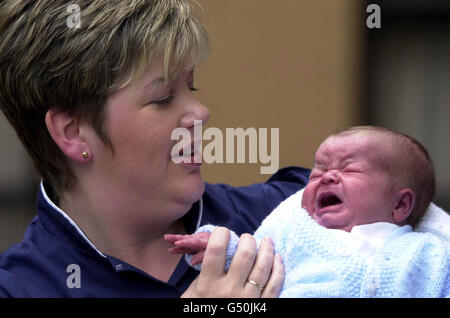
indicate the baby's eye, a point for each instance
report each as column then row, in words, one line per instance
column 352, row 170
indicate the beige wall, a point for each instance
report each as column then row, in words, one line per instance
column 286, row 64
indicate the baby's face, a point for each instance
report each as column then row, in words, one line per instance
column 348, row 185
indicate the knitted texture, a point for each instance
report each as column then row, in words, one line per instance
column 231, row 248
column 435, row 221
column 409, row 264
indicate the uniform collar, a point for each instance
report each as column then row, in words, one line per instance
column 60, row 225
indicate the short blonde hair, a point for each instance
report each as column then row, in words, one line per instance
column 45, row 64
column 415, row 169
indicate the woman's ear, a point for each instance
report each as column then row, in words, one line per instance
column 65, row 131
column 405, row 200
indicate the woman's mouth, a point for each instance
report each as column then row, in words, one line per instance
column 191, row 155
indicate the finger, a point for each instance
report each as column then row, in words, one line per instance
column 172, row 238
column 202, row 239
column 213, row 266
column 198, row 258
column 276, row 280
column 243, row 259
column 193, row 243
column 260, row 271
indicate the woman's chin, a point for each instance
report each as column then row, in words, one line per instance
column 197, row 191
column 193, row 187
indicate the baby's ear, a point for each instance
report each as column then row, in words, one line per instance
column 405, row 200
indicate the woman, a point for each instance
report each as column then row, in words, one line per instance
column 95, row 103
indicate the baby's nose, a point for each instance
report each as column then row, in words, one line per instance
column 330, row 177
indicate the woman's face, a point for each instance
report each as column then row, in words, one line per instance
column 139, row 121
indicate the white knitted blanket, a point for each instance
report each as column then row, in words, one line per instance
column 412, row 263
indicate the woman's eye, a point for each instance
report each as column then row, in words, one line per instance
column 163, row 101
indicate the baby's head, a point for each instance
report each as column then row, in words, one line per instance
column 369, row 174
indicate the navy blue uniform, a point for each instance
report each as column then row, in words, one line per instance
column 56, row 259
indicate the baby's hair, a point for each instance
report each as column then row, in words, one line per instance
column 412, row 168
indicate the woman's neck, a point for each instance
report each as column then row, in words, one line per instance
column 135, row 237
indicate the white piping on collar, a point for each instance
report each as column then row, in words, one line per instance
column 200, row 213
column 56, row 208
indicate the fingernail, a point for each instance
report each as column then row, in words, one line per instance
column 269, row 240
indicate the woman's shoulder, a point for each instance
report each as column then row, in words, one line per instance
column 17, row 262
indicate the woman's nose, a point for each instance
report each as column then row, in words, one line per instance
column 330, row 177
column 196, row 111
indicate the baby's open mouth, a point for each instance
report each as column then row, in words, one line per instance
column 328, row 199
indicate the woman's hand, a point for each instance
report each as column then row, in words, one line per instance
column 265, row 270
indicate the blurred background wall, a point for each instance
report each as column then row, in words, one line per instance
column 307, row 67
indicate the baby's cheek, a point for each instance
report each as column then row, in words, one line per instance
column 308, row 198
